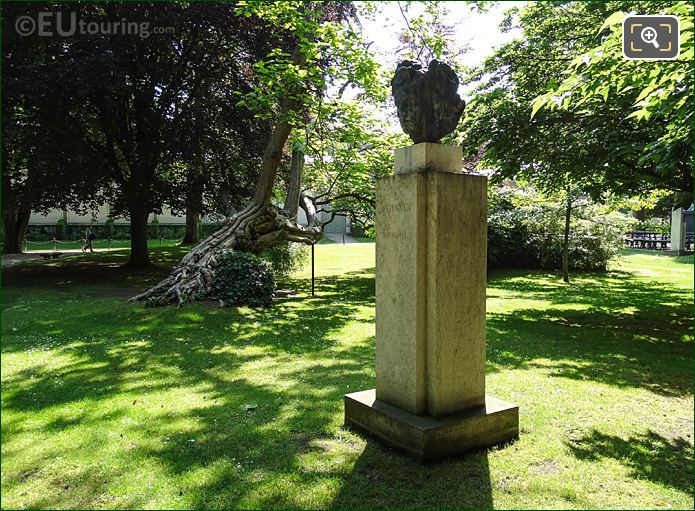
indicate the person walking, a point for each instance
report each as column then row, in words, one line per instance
column 89, row 237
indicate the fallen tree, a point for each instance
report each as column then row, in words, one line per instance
column 258, row 226
column 327, row 49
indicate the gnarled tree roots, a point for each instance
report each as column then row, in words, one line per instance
column 251, row 230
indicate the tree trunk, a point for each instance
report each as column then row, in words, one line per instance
column 11, row 243
column 566, row 242
column 139, row 254
column 191, row 235
column 14, row 228
column 253, row 229
column 195, row 184
column 295, row 184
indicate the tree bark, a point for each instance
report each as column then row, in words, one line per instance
column 139, row 254
column 295, row 184
column 15, row 221
column 10, row 241
column 194, row 204
column 566, row 241
column 191, row 236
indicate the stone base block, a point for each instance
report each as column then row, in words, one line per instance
column 428, row 156
column 427, row 438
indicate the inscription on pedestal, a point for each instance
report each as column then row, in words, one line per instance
column 400, row 325
column 430, row 291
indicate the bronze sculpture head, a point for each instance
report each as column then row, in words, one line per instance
column 427, row 101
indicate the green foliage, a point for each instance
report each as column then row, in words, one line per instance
column 348, row 148
column 285, row 258
column 331, row 52
column 594, row 147
column 660, row 91
column 654, row 224
column 243, row 279
column 525, row 230
column 430, row 32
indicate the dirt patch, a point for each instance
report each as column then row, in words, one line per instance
column 547, row 468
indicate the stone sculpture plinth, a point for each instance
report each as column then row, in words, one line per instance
column 677, row 232
column 431, row 247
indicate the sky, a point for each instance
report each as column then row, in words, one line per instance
column 478, row 30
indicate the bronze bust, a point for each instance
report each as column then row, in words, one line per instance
column 427, row 101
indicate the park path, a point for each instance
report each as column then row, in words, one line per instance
column 338, row 238
column 15, row 259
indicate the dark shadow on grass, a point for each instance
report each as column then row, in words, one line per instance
column 97, row 269
column 384, row 479
column 126, row 351
column 649, row 456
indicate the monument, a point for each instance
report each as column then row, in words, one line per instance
column 677, row 232
column 431, row 224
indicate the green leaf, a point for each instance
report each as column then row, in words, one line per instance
column 613, row 19
column 538, row 104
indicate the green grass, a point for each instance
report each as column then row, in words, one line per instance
column 106, row 404
column 364, row 239
column 76, row 245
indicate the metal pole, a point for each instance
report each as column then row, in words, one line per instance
column 343, row 238
column 109, row 242
column 160, row 241
column 55, row 245
column 312, row 269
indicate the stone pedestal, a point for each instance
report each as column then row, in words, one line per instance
column 430, row 312
column 677, row 232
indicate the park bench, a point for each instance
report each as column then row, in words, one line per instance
column 654, row 240
column 51, row 255
column 647, row 240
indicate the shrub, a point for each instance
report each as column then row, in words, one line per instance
column 285, row 258
column 525, row 230
column 654, row 224
column 244, row 279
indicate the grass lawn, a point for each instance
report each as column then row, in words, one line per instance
column 106, row 404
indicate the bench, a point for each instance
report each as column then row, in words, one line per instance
column 51, row 255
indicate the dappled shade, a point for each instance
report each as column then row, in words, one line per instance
column 146, row 407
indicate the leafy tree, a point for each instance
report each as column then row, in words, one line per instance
column 326, row 50
column 43, row 165
column 557, row 149
column 137, row 95
column 429, row 34
column 527, row 229
column 214, row 163
column 594, row 150
column 660, row 93
column 349, row 147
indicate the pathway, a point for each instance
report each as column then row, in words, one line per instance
column 14, row 259
column 338, row 238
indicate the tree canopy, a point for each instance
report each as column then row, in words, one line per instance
column 595, row 146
